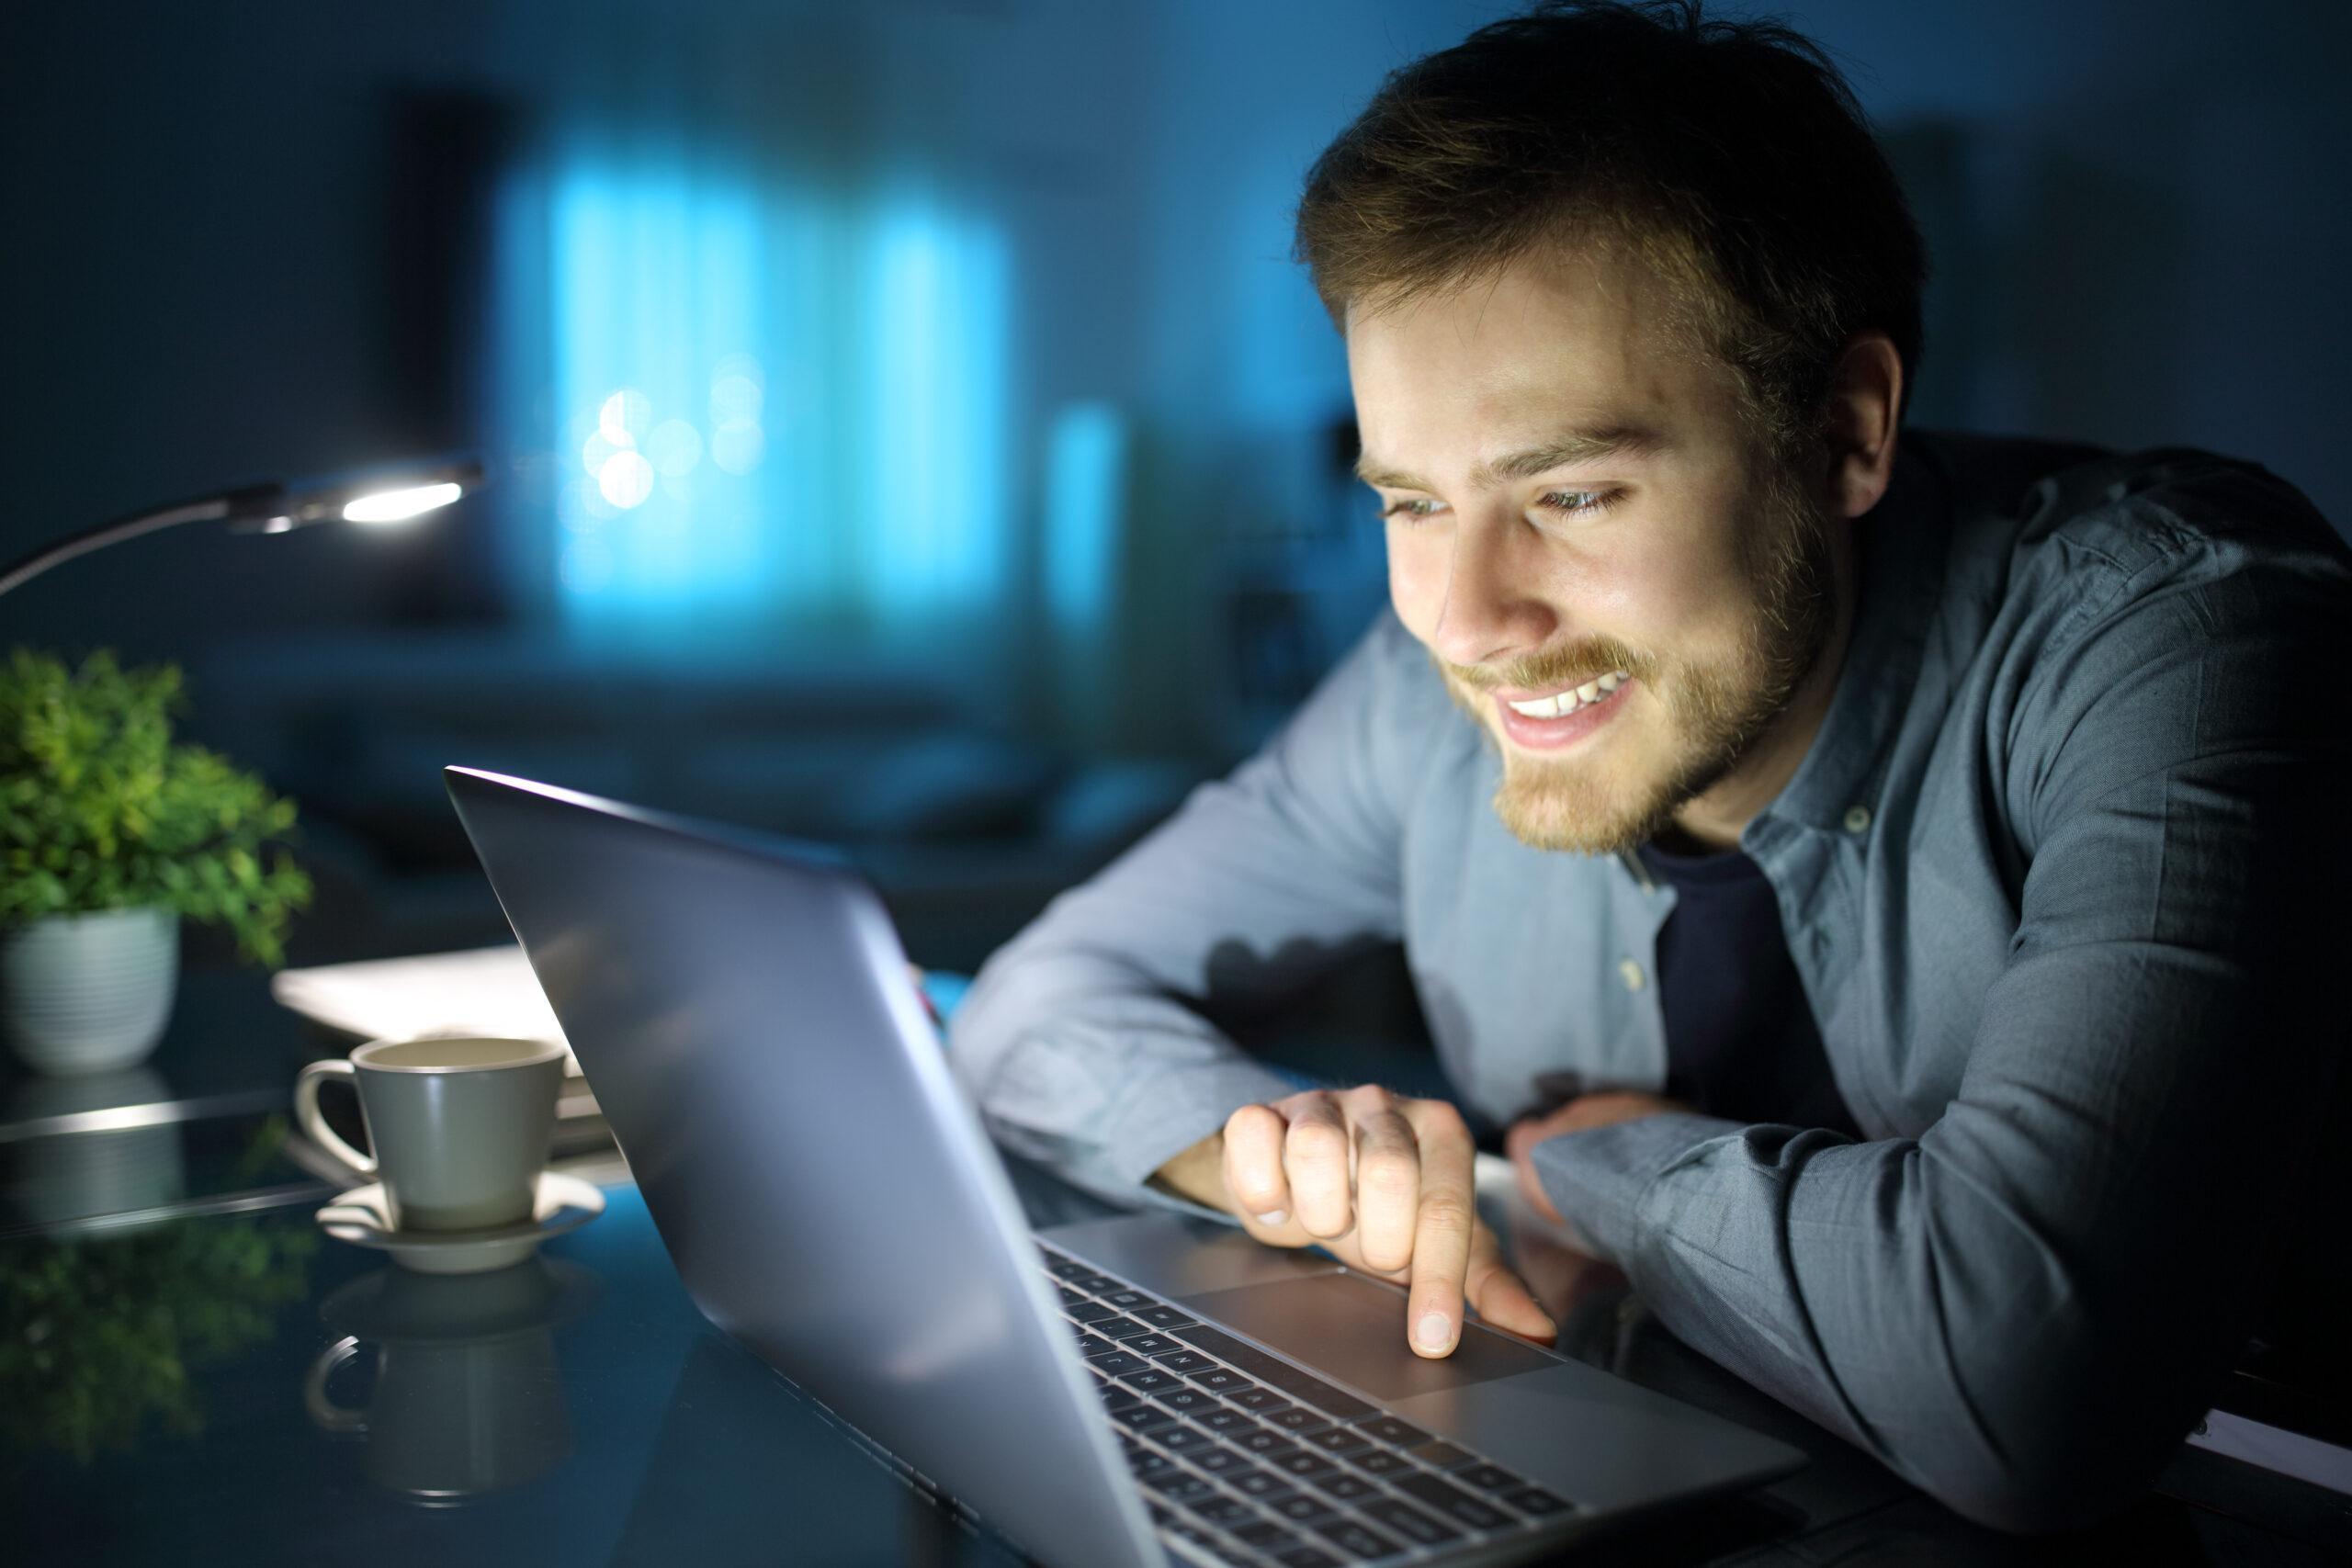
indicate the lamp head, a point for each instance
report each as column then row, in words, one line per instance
column 378, row 498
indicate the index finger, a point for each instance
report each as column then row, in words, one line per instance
column 1441, row 1230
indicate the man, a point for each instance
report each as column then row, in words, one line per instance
column 1948, row 822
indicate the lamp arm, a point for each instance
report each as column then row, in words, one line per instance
column 236, row 504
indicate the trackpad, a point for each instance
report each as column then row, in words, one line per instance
column 1353, row 1329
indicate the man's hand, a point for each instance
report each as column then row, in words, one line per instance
column 1584, row 1111
column 1385, row 1184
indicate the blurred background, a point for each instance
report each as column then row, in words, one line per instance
column 907, row 425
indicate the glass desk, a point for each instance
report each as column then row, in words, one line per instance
column 213, row 1380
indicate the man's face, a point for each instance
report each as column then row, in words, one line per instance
column 1576, row 519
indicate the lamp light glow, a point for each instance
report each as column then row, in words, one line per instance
column 266, row 509
column 399, row 505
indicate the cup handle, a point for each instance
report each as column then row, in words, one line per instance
column 305, row 1111
column 325, row 1413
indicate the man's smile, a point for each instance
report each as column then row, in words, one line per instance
column 1554, row 721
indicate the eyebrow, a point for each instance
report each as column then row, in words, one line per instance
column 1576, row 447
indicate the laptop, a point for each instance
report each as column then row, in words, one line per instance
column 1143, row 1390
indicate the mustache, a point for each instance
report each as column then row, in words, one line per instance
column 1570, row 665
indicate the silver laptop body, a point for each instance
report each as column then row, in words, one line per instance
column 744, row 1012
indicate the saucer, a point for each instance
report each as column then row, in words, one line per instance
column 565, row 1202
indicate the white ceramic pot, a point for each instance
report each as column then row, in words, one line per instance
column 88, row 993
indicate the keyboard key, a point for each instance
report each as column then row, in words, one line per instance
column 1216, row 1461
column 1191, row 1401
column 1355, row 1539
column 1489, row 1478
column 1379, row 1461
column 1454, row 1503
column 1266, row 1444
column 1163, row 1317
column 1150, row 1380
column 1537, row 1501
column 1230, row 1421
column 1149, row 1344
column 1117, row 1327
column 1264, row 1400
column 1263, row 1534
column 1143, row 1461
column 1304, row 1465
column 1090, row 1312
column 1443, row 1455
column 1093, row 1344
column 1118, row 1398
column 1338, row 1440
column 1070, row 1298
column 1125, row 1299
column 1176, row 1440
column 1408, row 1522
column 1179, row 1486
column 1301, row 1385
column 1345, row 1487
column 1182, row 1360
column 1305, row 1557
column 1296, row 1419
column 1098, row 1283
column 1232, row 1384
column 1143, row 1417
column 1050, row 1255
column 1221, row 1510
column 1302, row 1508
column 1388, row 1430
column 1257, row 1482
column 1117, row 1362
column 1066, row 1269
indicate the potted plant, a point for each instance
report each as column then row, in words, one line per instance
column 110, row 834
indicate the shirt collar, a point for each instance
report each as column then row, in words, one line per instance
column 1902, row 539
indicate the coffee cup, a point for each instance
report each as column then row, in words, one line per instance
column 460, row 1125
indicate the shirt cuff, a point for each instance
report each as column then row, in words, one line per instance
column 1168, row 1111
column 1595, row 1178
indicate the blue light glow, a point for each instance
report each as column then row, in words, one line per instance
column 771, row 407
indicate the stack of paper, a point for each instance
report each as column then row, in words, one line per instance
column 486, row 991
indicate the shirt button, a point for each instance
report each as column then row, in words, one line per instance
column 1858, row 820
column 1632, row 973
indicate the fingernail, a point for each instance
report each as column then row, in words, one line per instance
column 1437, row 1332
column 1274, row 1217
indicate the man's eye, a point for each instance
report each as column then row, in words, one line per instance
column 1578, row 503
column 1411, row 510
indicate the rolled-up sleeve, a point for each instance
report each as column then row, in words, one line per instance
column 2025, row 1309
column 1082, row 1041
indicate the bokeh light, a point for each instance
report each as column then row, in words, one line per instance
column 625, row 479
column 674, row 448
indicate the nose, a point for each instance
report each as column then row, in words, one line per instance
column 1494, row 606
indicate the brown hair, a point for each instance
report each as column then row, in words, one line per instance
column 1729, row 157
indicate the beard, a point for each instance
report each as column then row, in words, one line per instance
column 1715, row 713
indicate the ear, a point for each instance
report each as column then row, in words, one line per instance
column 1864, row 397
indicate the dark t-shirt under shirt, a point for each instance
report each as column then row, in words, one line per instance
column 1740, row 1037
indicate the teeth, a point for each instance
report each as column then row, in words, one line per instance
column 1564, row 703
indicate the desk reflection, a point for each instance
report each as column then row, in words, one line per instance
column 466, row 1397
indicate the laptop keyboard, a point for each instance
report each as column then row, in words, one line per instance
column 1246, row 1458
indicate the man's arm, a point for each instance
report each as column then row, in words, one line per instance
column 1082, row 1039
column 2026, row 1308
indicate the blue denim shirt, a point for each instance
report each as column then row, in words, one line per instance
column 2060, row 874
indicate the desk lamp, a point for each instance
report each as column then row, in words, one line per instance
column 271, row 509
